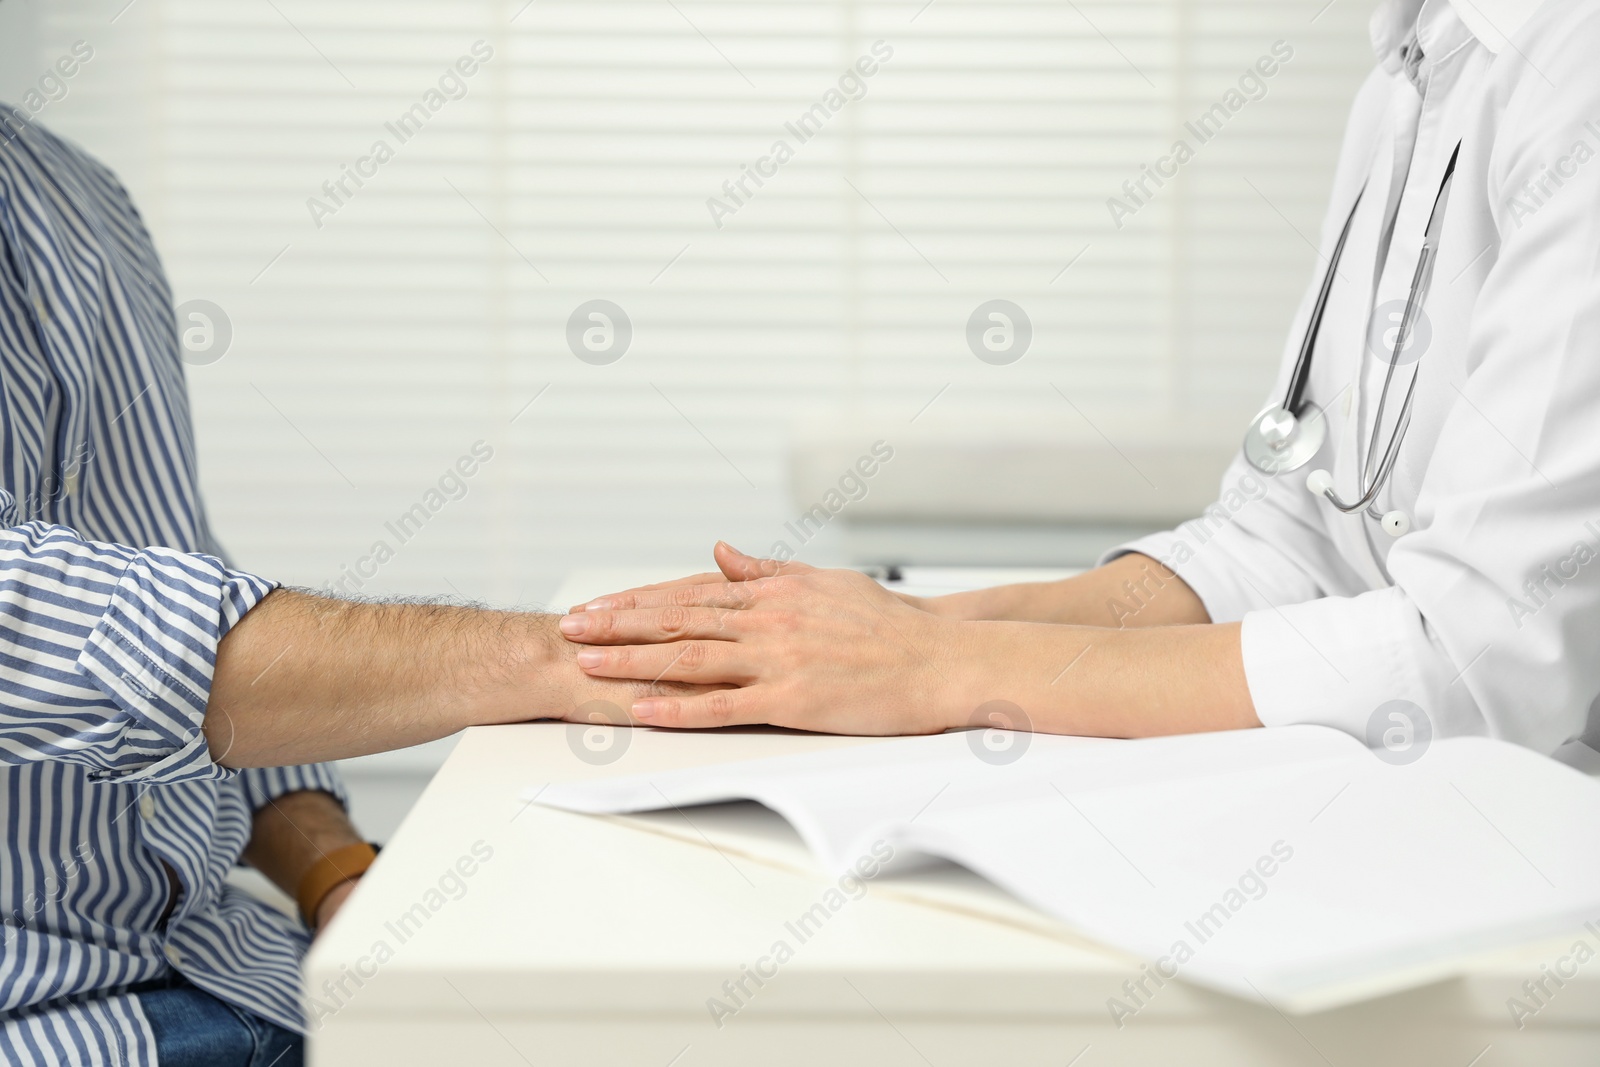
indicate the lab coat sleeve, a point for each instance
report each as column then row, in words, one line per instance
column 1493, row 621
column 1311, row 654
column 1258, row 546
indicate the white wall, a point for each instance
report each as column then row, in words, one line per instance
column 369, row 353
column 18, row 47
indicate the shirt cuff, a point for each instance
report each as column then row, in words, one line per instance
column 153, row 654
column 263, row 785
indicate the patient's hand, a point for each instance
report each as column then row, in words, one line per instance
column 827, row 650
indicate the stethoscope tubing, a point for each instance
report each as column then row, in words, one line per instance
column 1294, row 399
column 1374, row 478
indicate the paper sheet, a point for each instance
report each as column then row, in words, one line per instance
column 1290, row 864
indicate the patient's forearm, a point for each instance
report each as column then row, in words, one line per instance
column 305, row 678
column 1130, row 591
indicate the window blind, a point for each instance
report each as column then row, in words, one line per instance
column 513, row 287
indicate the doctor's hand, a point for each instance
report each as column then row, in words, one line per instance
column 1087, row 599
column 738, row 567
column 824, row 650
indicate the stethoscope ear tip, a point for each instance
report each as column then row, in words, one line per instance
column 1396, row 523
column 1320, row 483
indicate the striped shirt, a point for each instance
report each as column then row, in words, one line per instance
column 112, row 601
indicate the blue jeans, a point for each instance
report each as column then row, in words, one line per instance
column 195, row 1029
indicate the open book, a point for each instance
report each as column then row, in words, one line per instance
column 1289, row 864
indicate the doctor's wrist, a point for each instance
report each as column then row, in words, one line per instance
column 971, row 606
column 945, row 607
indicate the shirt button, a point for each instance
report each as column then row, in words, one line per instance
column 174, row 956
column 147, row 807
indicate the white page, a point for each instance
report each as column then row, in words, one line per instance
column 838, row 800
column 1383, row 875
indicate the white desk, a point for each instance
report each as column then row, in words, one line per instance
column 598, row 941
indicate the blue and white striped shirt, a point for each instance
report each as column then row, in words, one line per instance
column 106, row 650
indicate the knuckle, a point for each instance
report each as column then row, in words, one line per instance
column 693, row 655
column 684, row 596
column 719, row 705
column 673, row 620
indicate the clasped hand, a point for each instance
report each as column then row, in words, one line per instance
column 791, row 645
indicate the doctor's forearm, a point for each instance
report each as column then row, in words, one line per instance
column 1130, row 591
column 1102, row 682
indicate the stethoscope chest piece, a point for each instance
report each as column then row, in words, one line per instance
column 1278, row 440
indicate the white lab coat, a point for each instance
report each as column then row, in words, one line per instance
column 1486, row 615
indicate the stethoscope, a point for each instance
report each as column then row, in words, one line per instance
column 1285, row 437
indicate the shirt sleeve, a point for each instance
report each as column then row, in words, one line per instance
column 1491, row 623
column 107, row 652
column 262, row 785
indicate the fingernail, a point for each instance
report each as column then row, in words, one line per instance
column 591, row 657
column 573, row 625
column 597, row 605
column 644, row 709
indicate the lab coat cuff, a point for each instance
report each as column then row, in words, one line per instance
column 1342, row 662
